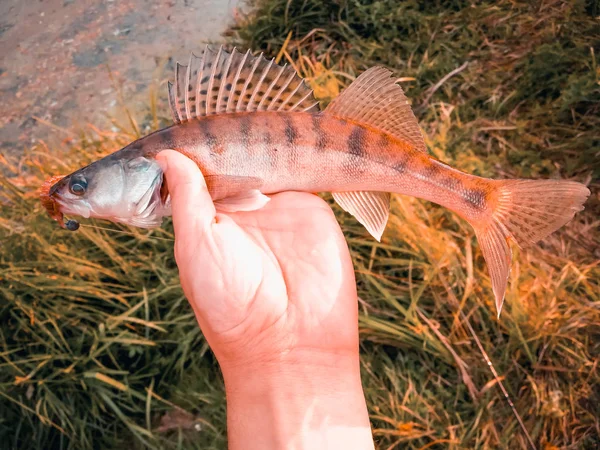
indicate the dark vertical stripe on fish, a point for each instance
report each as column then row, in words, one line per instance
column 209, row 138
column 245, row 126
column 357, row 142
column 166, row 138
column 451, row 182
column 475, row 198
column 432, row 170
column 291, row 134
column 320, row 134
column 384, row 141
column 400, row 165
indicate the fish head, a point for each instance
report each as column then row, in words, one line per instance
column 125, row 187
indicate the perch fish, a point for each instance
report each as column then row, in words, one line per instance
column 254, row 128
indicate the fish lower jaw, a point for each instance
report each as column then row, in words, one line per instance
column 75, row 210
column 149, row 217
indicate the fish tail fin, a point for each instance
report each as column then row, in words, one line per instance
column 524, row 211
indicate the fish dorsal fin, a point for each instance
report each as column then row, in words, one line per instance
column 371, row 209
column 375, row 99
column 217, row 82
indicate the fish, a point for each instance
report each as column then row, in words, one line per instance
column 254, row 128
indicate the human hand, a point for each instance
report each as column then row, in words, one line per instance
column 274, row 293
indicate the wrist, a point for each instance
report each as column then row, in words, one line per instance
column 314, row 400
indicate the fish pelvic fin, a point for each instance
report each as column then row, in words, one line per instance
column 371, row 209
column 374, row 99
column 218, row 82
column 524, row 211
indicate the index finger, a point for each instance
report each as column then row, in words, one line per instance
column 191, row 203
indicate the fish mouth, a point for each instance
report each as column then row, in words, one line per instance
column 53, row 204
column 50, row 203
column 64, row 208
column 54, row 188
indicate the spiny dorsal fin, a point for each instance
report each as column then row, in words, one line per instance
column 219, row 82
column 375, row 99
column 371, row 209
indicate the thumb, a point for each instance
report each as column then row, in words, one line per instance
column 191, row 204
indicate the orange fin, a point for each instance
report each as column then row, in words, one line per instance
column 375, row 99
column 525, row 211
column 493, row 243
column 371, row 209
column 219, row 82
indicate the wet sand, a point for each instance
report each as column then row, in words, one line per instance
column 55, row 57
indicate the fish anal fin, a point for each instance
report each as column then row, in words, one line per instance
column 217, row 82
column 370, row 208
column 376, row 100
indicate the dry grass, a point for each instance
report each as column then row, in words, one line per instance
column 511, row 90
column 99, row 349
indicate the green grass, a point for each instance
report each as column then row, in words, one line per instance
column 99, row 348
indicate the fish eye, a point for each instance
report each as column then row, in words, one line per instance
column 78, row 186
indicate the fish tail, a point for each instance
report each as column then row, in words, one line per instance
column 524, row 211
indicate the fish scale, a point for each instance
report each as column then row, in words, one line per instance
column 254, row 129
column 366, row 164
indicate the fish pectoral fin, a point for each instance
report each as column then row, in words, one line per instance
column 370, row 208
column 245, row 201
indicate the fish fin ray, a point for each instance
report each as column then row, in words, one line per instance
column 375, row 99
column 493, row 244
column 218, row 81
column 259, row 85
column 187, row 87
column 180, row 74
column 524, row 211
column 222, row 105
column 173, row 102
column 370, row 208
column 218, row 61
column 244, row 201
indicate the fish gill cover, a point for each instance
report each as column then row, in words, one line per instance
column 100, row 349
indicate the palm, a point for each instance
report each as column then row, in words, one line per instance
column 271, row 281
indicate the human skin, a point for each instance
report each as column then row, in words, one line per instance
column 274, row 293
